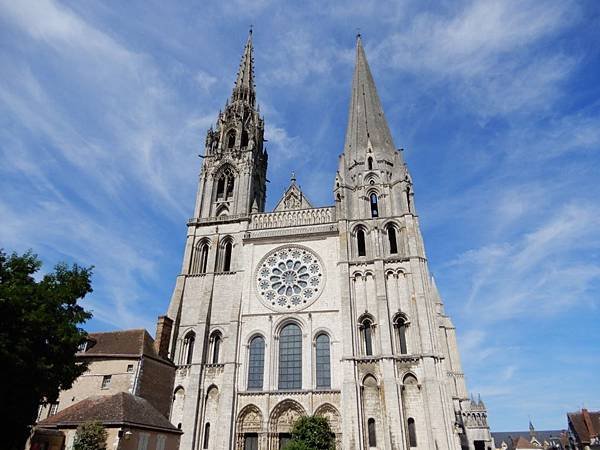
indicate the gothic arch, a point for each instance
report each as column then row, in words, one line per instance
column 176, row 415
column 283, row 416
column 410, row 379
column 332, row 415
column 280, row 325
column 250, row 420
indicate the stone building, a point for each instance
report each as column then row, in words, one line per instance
column 120, row 361
column 128, row 387
column 584, row 430
column 313, row 310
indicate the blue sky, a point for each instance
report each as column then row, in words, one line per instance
column 104, row 108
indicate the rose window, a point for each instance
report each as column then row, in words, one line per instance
column 289, row 278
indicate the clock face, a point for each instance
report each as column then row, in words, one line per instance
column 289, row 278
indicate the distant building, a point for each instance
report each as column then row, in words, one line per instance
column 128, row 387
column 584, row 430
column 518, row 440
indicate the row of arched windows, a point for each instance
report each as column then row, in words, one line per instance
column 366, row 327
column 392, row 240
column 289, row 357
column 201, row 251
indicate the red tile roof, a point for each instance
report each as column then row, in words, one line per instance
column 586, row 424
column 122, row 409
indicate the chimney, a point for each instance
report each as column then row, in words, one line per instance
column 163, row 336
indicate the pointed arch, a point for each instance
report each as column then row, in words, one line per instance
column 225, row 183
column 360, row 237
column 392, row 235
column 284, row 414
column 370, row 163
column 323, row 360
column 231, row 134
column 225, row 254
column 290, row 357
column 200, row 258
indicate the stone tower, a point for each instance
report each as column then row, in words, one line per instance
column 313, row 310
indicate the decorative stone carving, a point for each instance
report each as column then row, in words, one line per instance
column 289, row 278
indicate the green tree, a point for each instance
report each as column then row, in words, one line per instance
column 39, row 336
column 90, row 436
column 311, row 433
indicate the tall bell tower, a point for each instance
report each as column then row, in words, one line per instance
column 233, row 179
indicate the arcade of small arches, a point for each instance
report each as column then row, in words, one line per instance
column 368, row 329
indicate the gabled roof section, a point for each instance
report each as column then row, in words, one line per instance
column 118, row 409
column 126, row 343
column 293, row 198
column 367, row 127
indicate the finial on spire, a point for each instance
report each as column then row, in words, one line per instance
column 293, row 177
column 251, row 28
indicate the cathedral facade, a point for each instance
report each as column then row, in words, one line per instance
column 312, row 310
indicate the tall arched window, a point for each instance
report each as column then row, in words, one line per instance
column 400, row 326
column 374, row 206
column 412, row 432
column 225, row 184
column 392, row 239
column 256, row 363
column 206, row 435
column 200, row 261
column 187, row 351
column 216, row 347
column 372, row 433
column 244, row 138
column 367, row 336
column 360, row 242
column 370, row 163
column 290, row 357
column 323, row 360
column 224, row 256
column 231, row 139
column 227, row 256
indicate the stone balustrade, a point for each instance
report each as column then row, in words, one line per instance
column 292, row 218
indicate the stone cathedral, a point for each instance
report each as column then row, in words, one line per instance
column 309, row 310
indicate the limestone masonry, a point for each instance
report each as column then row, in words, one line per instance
column 303, row 310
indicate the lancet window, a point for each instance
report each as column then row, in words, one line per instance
column 225, row 184
column 256, row 363
column 323, row 360
column 290, row 357
column 187, row 351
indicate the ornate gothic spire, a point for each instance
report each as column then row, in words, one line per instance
column 367, row 127
column 244, row 84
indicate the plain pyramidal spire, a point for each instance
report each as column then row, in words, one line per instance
column 244, row 84
column 367, row 127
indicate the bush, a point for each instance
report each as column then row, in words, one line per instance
column 311, row 433
column 90, row 436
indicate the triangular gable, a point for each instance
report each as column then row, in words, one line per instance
column 293, row 198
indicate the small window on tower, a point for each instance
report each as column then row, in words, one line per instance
column 374, row 206
column 129, row 368
column 360, row 242
column 370, row 163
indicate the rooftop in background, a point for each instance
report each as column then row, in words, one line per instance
column 135, row 342
column 122, row 409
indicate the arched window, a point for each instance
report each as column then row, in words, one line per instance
column 360, row 242
column 392, row 240
column 216, row 347
column 244, row 138
column 374, row 207
column 370, row 163
column 256, row 363
column 323, row 360
column 400, row 326
column 226, row 256
column 225, row 184
column 200, row 261
column 231, row 139
column 187, row 352
column 367, row 336
column 371, row 432
column 412, row 432
column 206, row 435
column 290, row 357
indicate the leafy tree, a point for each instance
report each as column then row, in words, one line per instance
column 311, row 433
column 39, row 336
column 90, row 436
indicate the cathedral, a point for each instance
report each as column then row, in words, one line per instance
column 306, row 310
